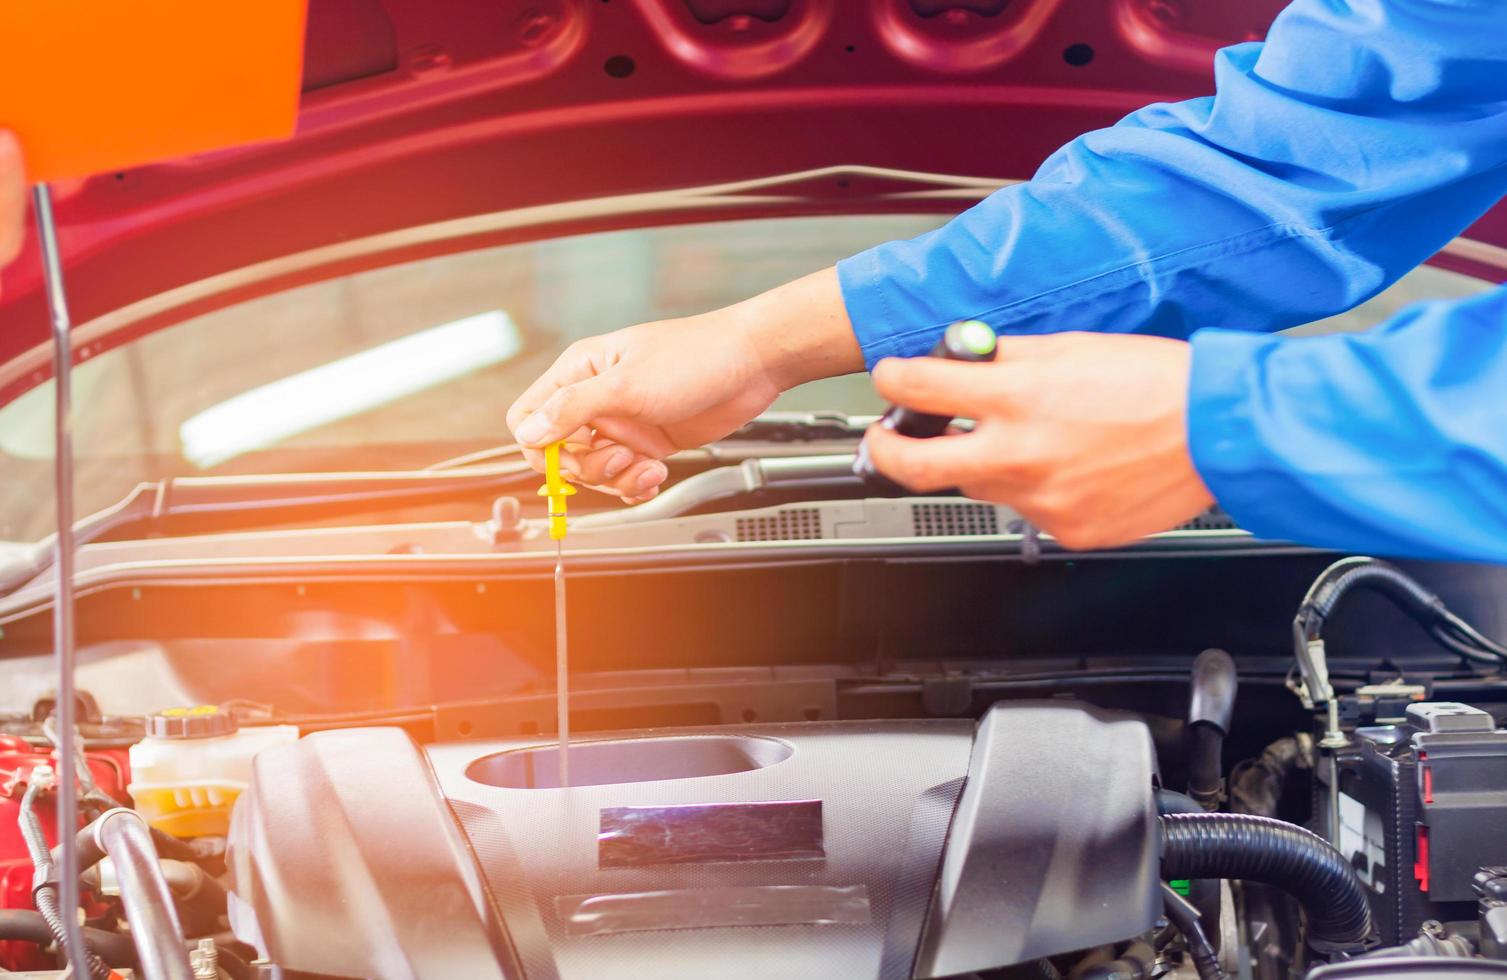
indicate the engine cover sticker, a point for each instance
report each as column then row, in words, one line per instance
column 711, row 908
column 632, row 836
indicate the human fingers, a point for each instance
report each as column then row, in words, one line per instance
column 570, row 407
column 12, row 197
column 639, row 482
column 924, row 465
column 936, row 385
column 601, row 465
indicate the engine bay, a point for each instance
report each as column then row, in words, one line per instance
column 896, row 765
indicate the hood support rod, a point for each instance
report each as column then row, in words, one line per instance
column 62, row 610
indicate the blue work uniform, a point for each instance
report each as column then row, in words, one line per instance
column 1347, row 148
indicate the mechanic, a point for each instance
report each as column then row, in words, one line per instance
column 1353, row 143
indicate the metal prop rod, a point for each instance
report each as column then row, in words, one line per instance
column 62, row 609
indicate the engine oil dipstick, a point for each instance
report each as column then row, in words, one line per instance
column 558, row 489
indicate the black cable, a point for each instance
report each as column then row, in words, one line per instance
column 1336, row 581
column 1186, row 919
column 45, row 886
column 24, row 925
column 1467, row 651
column 1273, row 852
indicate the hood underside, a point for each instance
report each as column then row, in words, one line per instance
column 425, row 113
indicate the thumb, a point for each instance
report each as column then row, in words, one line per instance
column 12, row 197
column 568, row 409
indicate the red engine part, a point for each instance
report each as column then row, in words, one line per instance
column 17, row 760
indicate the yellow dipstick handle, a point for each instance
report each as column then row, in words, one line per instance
column 556, row 488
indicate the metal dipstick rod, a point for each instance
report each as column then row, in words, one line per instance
column 62, row 609
column 558, row 490
column 562, row 669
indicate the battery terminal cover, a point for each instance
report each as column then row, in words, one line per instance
column 193, row 764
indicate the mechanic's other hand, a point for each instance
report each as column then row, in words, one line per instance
column 627, row 399
column 12, row 197
column 1085, row 434
column 624, row 401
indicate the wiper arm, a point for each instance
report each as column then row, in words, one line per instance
column 784, row 427
column 816, row 474
column 244, row 501
column 803, row 427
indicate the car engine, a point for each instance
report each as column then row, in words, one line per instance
column 1057, row 830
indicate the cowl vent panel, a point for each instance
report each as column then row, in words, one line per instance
column 791, row 524
column 951, row 520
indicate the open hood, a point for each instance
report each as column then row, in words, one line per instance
column 432, row 125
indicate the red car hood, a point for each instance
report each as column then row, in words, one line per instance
column 420, row 116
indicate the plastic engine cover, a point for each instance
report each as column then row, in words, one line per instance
column 853, row 847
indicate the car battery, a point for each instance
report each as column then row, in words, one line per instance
column 1422, row 807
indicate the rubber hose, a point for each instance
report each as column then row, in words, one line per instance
column 1171, row 801
column 1277, row 853
column 232, row 964
column 1206, row 765
column 24, row 925
column 191, row 883
column 144, row 894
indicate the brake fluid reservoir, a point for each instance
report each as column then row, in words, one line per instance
column 193, row 763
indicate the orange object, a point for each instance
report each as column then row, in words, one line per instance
column 97, row 85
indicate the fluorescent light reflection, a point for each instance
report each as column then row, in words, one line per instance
column 266, row 415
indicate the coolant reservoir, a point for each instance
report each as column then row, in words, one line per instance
column 191, row 766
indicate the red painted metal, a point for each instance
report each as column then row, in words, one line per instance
column 421, row 111
column 18, row 759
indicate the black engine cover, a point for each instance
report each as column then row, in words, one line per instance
column 853, row 849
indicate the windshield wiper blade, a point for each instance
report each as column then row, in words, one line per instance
column 224, row 502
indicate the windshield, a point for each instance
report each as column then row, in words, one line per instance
column 400, row 367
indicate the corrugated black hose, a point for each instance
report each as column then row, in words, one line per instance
column 45, row 884
column 1250, row 848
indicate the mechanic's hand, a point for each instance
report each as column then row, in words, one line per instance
column 1085, row 434
column 646, row 391
column 625, row 400
column 12, row 197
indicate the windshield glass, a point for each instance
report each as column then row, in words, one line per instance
column 400, row 367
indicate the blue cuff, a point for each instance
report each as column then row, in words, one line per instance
column 1224, row 437
column 874, row 324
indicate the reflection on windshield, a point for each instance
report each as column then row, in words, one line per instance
column 360, row 382
column 352, row 374
column 287, row 382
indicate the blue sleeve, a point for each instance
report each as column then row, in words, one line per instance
column 1344, row 150
column 1390, row 442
